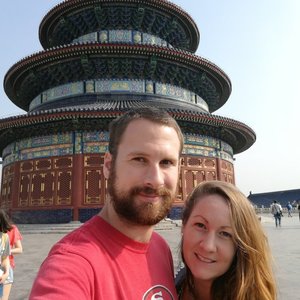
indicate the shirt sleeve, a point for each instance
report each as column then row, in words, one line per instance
column 15, row 235
column 63, row 277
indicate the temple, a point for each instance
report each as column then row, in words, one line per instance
column 100, row 59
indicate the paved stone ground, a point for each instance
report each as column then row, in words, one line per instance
column 284, row 243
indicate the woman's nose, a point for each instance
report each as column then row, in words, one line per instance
column 208, row 243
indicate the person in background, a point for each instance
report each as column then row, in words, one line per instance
column 276, row 210
column 116, row 254
column 4, row 253
column 289, row 209
column 15, row 238
column 298, row 206
column 224, row 248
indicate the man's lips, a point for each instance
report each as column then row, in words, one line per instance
column 148, row 192
column 150, row 197
column 152, row 194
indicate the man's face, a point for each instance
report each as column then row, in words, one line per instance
column 142, row 179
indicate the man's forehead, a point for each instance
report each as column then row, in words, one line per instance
column 147, row 132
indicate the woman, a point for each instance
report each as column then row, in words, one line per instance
column 15, row 238
column 224, row 248
column 4, row 266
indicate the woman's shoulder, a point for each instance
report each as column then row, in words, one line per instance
column 4, row 238
column 3, row 235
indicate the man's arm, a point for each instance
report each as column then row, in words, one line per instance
column 67, row 276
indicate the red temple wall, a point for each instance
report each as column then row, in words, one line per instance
column 77, row 181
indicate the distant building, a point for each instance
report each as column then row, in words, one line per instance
column 283, row 197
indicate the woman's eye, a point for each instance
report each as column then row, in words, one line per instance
column 200, row 225
column 226, row 234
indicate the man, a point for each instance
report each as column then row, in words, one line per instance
column 116, row 255
column 276, row 210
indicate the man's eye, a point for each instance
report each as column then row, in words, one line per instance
column 166, row 162
column 139, row 159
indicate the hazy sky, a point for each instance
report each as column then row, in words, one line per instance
column 256, row 43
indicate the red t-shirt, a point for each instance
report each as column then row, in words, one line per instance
column 14, row 236
column 96, row 261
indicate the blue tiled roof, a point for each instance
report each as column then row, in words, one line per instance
column 283, row 197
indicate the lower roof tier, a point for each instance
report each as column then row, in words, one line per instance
column 84, row 117
column 96, row 142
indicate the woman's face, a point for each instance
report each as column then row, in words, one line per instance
column 208, row 246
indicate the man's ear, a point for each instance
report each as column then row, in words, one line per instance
column 107, row 164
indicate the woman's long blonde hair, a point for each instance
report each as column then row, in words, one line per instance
column 250, row 276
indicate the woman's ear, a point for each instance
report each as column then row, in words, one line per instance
column 107, row 164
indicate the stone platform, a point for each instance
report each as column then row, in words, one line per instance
column 284, row 241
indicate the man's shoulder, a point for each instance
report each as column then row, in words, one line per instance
column 81, row 240
column 158, row 241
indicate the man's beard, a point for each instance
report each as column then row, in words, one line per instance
column 147, row 213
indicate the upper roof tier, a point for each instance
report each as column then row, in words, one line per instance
column 72, row 19
column 81, row 62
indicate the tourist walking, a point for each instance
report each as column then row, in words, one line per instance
column 289, row 209
column 276, row 210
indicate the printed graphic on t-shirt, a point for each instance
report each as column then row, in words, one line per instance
column 158, row 292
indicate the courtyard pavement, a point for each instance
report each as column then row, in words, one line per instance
column 284, row 244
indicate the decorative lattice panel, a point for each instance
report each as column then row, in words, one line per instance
column 24, row 190
column 6, row 196
column 227, row 172
column 93, row 160
column 93, row 186
column 43, row 164
column 188, row 183
column 47, row 184
column 179, row 197
column 63, row 162
column 209, row 163
column 64, row 188
column 38, row 190
column 194, row 161
column 27, row 166
column 211, row 175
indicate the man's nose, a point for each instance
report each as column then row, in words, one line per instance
column 154, row 176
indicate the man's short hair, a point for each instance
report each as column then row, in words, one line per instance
column 118, row 126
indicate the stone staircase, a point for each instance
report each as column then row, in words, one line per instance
column 166, row 224
column 48, row 228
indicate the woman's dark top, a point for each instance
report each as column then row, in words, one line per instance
column 179, row 281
